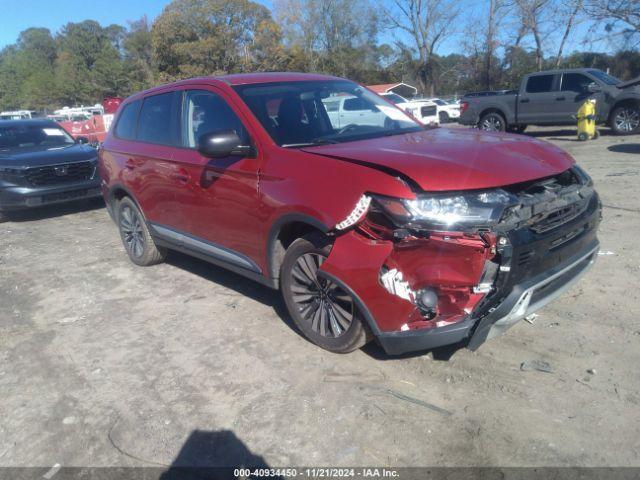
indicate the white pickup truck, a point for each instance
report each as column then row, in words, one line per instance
column 424, row 110
column 346, row 110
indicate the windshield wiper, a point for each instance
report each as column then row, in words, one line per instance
column 312, row 143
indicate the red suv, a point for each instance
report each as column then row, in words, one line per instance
column 369, row 224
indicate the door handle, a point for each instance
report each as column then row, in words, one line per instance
column 524, row 100
column 559, row 99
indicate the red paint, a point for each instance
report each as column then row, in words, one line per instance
column 236, row 203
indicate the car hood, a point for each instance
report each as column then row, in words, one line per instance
column 39, row 156
column 635, row 82
column 455, row 159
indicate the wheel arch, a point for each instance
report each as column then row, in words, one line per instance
column 622, row 102
column 489, row 110
column 283, row 232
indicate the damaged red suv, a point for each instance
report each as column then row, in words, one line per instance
column 371, row 225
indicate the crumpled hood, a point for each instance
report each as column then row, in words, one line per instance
column 455, row 159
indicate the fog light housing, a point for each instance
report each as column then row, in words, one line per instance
column 427, row 301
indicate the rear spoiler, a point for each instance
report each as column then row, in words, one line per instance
column 629, row 83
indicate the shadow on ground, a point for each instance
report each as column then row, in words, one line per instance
column 273, row 299
column 213, row 455
column 52, row 211
column 625, row 148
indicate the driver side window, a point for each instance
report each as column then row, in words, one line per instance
column 206, row 112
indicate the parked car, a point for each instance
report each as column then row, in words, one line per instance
column 41, row 164
column 553, row 98
column 417, row 237
column 446, row 111
column 19, row 114
column 424, row 110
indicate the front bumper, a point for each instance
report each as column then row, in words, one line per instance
column 534, row 269
column 525, row 299
column 23, row 197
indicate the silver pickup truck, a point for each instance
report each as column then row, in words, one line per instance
column 553, row 98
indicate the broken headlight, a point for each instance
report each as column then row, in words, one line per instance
column 445, row 211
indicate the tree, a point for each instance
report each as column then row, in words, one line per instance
column 204, row 37
column 620, row 18
column 427, row 23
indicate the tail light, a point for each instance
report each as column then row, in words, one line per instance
column 463, row 107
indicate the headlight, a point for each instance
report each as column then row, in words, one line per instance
column 445, row 211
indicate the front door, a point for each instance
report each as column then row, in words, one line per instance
column 574, row 91
column 219, row 197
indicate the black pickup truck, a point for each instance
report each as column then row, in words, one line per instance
column 553, row 98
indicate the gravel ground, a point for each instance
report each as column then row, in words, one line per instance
column 103, row 363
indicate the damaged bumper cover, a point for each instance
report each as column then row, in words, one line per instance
column 524, row 299
column 529, row 266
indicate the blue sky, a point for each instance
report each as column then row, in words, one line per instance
column 18, row 15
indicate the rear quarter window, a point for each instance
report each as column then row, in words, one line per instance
column 127, row 121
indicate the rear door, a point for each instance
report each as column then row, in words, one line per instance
column 537, row 103
column 150, row 166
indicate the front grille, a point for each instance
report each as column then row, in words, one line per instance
column 558, row 217
column 57, row 174
column 428, row 111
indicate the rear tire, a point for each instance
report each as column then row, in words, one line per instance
column 583, row 137
column 625, row 120
column 135, row 235
column 326, row 314
column 443, row 117
column 492, row 122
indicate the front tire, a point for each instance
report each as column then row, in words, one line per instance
column 625, row 120
column 492, row 122
column 324, row 312
column 443, row 117
column 135, row 235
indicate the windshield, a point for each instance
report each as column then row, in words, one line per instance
column 393, row 98
column 437, row 101
column 297, row 114
column 29, row 136
column 604, row 77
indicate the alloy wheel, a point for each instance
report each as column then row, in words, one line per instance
column 327, row 308
column 131, row 228
column 491, row 124
column 627, row 120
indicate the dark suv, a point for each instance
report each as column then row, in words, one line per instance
column 41, row 164
column 371, row 227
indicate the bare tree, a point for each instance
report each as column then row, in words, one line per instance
column 571, row 17
column 428, row 23
column 533, row 15
column 617, row 13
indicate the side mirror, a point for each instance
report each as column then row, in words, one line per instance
column 82, row 140
column 593, row 87
column 223, row 144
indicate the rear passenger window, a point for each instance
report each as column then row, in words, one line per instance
column 355, row 104
column 126, row 126
column 540, row 84
column 206, row 112
column 159, row 119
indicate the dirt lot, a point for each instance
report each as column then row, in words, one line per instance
column 105, row 363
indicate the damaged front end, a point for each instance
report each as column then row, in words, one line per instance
column 464, row 266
